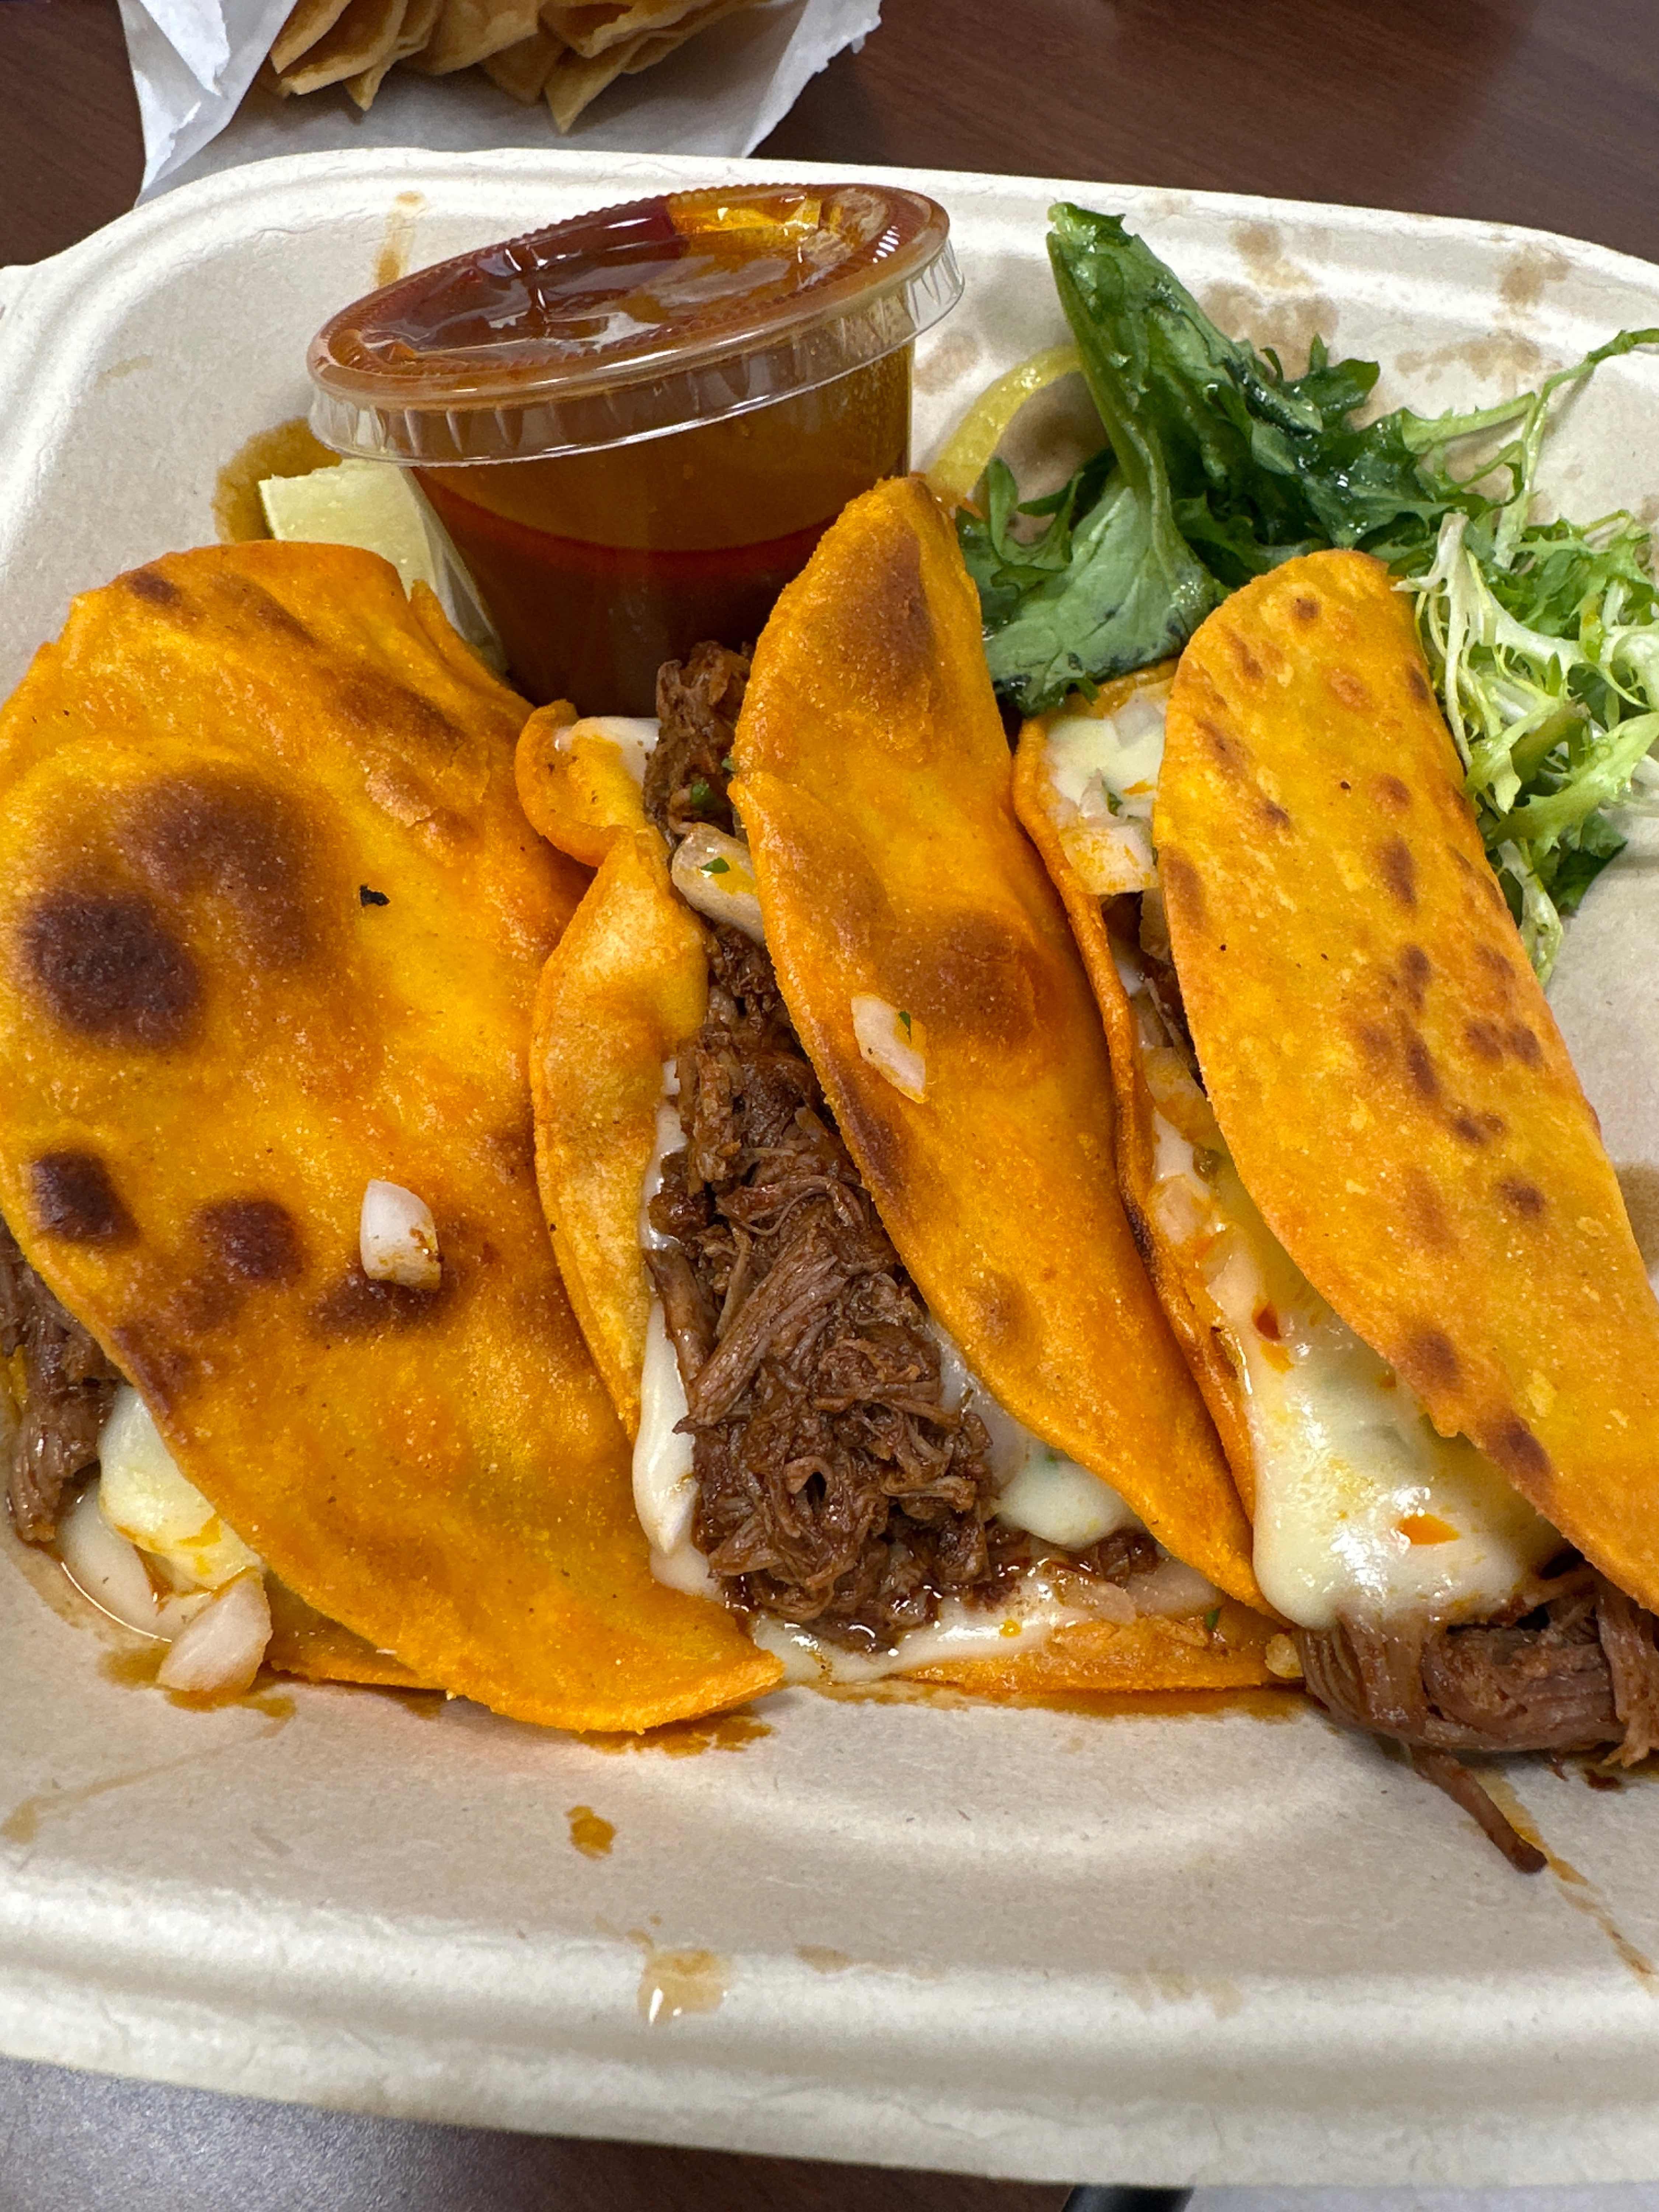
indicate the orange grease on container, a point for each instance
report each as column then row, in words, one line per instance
column 592, row 1835
column 674, row 1983
column 686, row 1738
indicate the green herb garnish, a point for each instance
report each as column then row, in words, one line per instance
column 1211, row 1617
column 1544, row 638
column 699, row 792
column 905, row 1019
column 717, row 867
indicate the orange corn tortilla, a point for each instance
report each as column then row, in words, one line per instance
column 875, row 787
column 1178, row 1285
column 1138, row 1660
column 1381, row 1061
column 210, row 1041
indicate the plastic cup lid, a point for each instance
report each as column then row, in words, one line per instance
column 632, row 322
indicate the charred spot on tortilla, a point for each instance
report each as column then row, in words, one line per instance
column 1417, row 684
column 1229, row 753
column 1304, row 607
column 1476, row 1129
column 368, row 897
column 264, row 609
column 1509, row 1441
column 385, row 709
column 161, row 1369
column 1484, row 1039
column 1525, row 1046
column 1419, row 1066
column 1415, row 969
column 256, row 1240
column 1424, row 1212
column 1392, row 794
column 975, row 977
column 239, row 841
column 150, row 585
column 1347, row 689
column 1430, row 1363
column 356, row 1305
column 1275, row 815
column 1522, row 1197
column 1183, row 887
column 109, row 967
column 75, row 1200
column 1399, row 870
column 897, row 648
column 1249, row 666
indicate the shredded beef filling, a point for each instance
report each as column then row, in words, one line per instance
column 1570, row 1663
column 69, row 1386
column 835, row 1486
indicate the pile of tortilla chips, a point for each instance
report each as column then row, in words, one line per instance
column 563, row 53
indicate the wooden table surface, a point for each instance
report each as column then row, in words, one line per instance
column 1540, row 111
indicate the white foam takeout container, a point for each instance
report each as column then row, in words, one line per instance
column 1027, row 1942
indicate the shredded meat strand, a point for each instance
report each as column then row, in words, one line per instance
column 1463, row 1789
column 698, row 701
column 68, row 1387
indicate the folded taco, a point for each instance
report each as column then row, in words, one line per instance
column 274, row 1269
column 1373, row 1197
column 824, row 1134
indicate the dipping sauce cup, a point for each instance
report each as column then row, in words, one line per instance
column 636, row 423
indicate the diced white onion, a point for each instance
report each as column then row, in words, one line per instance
column 1112, row 854
column 105, row 1566
column 714, row 873
column 397, row 1238
column 1174, row 1589
column 218, row 1653
column 144, row 1497
column 892, row 1041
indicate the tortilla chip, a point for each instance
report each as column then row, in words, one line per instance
column 1382, row 1063
column 469, row 31
column 594, row 30
column 363, row 36
column 875, row 784
column 419, row 17
column 272, row 921
column 1179, row 1286
column 309, row 22
column 575, row 81
column 523, row 70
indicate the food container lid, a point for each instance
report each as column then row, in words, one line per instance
column 632, row 322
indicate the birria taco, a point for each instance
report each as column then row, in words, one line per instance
column 271, row 923
column 1373, row 1197
column 825, row 1132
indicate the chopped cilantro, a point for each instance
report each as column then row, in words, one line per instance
column 730, row 763
column 700, row 792
column 717, row 867
column 1211, row 1617
column 905, row 1019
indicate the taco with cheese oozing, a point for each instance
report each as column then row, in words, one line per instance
column 825, row 1134
column 1374, row 1199
column 271, row 925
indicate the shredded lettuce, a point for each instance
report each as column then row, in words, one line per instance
column 1543, row 638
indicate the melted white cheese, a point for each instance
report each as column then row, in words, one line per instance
column 1103, row 772
column 634, row 738
column 1361, row 1505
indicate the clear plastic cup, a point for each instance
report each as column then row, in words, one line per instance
column 635, row 424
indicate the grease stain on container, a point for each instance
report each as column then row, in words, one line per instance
column 392, row 260
column 137, row 1669
column 1509, row 358
column 1153, row 1987
column 687, row 1739
column 823, row 1959
column 590, row 1832
column 674, row 1983
column 1578, row 1889
column 24, row 1822
column 1532, row 268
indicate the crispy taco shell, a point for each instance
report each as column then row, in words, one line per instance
column 271, row 924
column 1381, row 1059
column 1176, row 1268
column 876, row 786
